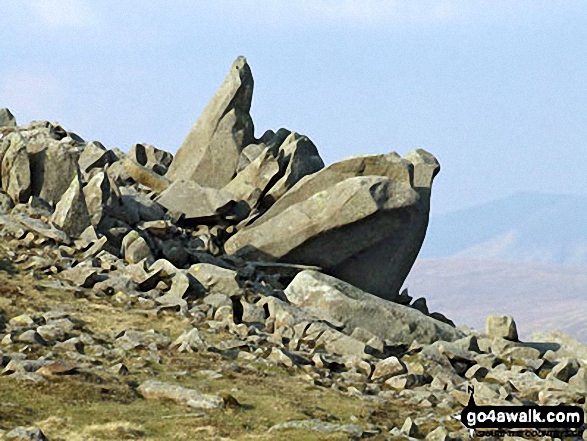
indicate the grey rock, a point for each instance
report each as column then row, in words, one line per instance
column 564, row 370
column 26, row 434
column 135, row 248
column 6, row 203
column 43, row 229
column 175, row 252
column 438, row 434
column 131, row 339
column 355, row 231
column 409, row 427
column 216, row 280
column 102, row 198
column 53, row 169
column 210, row 153
column 95, row 155
column 146, row 176
column 82, row 276
column 502, row 326
column 325, row 296
column 71, row 213
column 7, row 119
column 151, row 157
column 156, row 390
column 388, row 368
column 299, row 157
column 16, row 171
column 180, row 198
column 190, row 341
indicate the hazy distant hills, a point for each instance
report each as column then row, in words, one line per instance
column 525, row 255
column 526, row 227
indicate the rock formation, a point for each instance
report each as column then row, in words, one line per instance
column 284, row 261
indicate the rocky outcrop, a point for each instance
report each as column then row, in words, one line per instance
column 209, row 156
column 334, row 300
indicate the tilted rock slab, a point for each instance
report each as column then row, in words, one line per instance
column 210, row 153
column 362, row 220
column 333, row 299
column 156, row 390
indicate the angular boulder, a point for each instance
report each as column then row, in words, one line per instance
column 16, row 173
column 102, row 198
column 71, row 212
column 151, row 157
column 335, row 300
column 209, row 155
column 362, row 220
column 7, row 119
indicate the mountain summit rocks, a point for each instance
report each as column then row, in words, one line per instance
column 225, row 199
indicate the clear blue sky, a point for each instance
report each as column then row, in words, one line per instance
column 496, row 89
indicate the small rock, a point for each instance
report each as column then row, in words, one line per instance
column 26, row 434
column 409, row 427
column 564, row 370
column 156, row 390
column 319, row 426
column 502, row 326
column 190, row 341
column 388, row 368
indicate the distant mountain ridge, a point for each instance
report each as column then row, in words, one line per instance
column 525, row 227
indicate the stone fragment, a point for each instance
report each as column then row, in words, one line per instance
column 564, row 370
column 71, row 213
column 146, row 176
column 210, row 153
column 7, row 119
column 16, row 172
column 502, row 326
column 216, row 280
column 151, row 157
column 135, row 248
column 410, row 428
column 82, row 276
column 156, row 390
column 95, row 155
column 26, row 434
column 438, row 434
column 330, row 298
column 388, row 368
column 190, row 341
column 6, row 203
column 102, row 198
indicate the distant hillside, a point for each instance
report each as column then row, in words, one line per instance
column 527, row 227
column 541, row 297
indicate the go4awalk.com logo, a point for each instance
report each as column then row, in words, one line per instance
column 568, row 419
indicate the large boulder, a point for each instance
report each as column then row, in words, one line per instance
column 209, row 155
column 53, row 168
column 362, row 220
column 334, row 300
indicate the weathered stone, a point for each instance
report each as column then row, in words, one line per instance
column 146, row 176
column 56, row 330
column 102, row 198
column 299, row 157
column 26, row 434
column 135, row 248
column 355, row 231
column 196, row 203
column 16, row 171
column 388, row 368
column 502, row 326
column 327, row 297
column 95, row 155
column 216, row 280
column 190, row 341
column 52, row 170
column 210, row 153
column 7, row 119
column 151, row 157
column 175, row 252
column 82, row 276
column 409, row 427
column 405, row 381
column 131, row 339
column 71, row 213
column 438, row 434
column 565, row 370
column 156, row 390
column 6, row 203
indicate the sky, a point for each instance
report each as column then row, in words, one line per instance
column 495, row 89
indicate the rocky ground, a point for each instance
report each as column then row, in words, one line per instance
column 240, row 290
